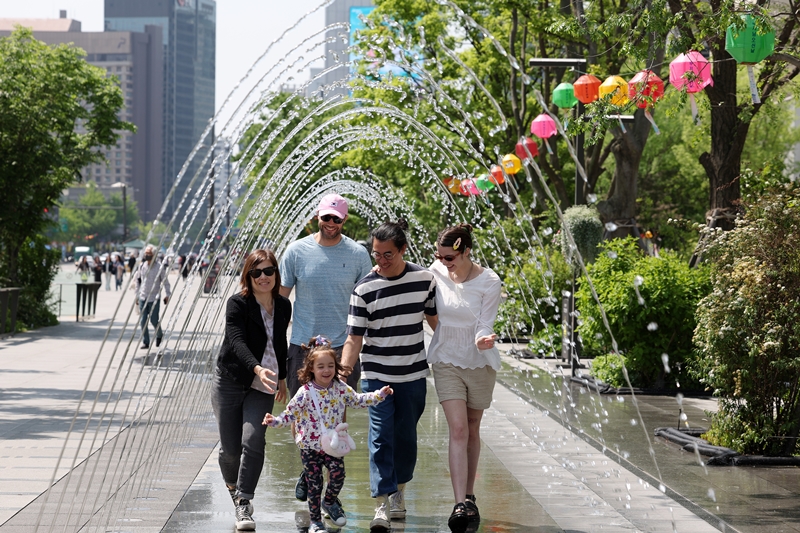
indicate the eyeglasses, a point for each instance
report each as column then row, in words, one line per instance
column 328, row 218
column 255, row 273
column 386, row 255
column 448, row 258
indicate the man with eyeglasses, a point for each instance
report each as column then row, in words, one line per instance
column 322, row 268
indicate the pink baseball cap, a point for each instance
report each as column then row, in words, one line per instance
column 332, row 204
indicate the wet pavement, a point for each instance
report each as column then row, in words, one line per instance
column 555, row 457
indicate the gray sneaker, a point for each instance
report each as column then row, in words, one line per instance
column 232, row 492
column 397, row 505
column 381, row 522
column 244, row 519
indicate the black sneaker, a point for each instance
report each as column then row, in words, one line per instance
column 144, row 346
column 244, row 519
column 235, row 498
column 334, row 512
column 301, row 489
column 158, row 342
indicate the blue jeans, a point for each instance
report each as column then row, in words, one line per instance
column 149, row 309
column 393, row 434
column 239, row 411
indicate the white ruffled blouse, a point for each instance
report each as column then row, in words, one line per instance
column 466, row 311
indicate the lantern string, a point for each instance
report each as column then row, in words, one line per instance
column 694, row 107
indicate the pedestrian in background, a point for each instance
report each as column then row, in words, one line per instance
column 150, row 276
column 108, row 271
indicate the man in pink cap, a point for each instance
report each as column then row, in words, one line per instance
column 322, row 269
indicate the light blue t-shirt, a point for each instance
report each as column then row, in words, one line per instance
column 323, row 278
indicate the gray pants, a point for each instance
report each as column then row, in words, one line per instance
column 239, row 411
column 294, row 362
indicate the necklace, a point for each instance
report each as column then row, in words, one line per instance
column 453, row 276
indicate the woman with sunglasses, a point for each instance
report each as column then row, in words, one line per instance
column 463, row 358
column 250, row 377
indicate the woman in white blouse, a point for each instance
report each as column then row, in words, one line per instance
column 464, row 358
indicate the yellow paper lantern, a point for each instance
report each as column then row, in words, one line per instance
column 617, row 87
column 511, row 164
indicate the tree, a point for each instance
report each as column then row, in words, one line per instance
column 94, row 217
column 56, row 111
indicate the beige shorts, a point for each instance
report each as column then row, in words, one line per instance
column 473, row 385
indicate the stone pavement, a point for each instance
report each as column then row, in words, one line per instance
column 555, row 457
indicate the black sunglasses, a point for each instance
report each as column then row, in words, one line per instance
column 255, row 273
column 448, row 258
column 328, row 218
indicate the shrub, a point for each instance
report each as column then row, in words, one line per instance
column 748, row 330
column 608, row 368
column 534, row 297
column 38, row 265
column 649, row 303
column 587, row 231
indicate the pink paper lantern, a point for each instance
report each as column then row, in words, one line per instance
column 690, row 70
column 468, row 188
column 544, row 126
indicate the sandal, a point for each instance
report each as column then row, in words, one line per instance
column 458, row 519
column 472, row 509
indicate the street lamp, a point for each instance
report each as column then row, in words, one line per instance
column 124, row 209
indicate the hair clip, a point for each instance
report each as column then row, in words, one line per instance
column 319, row 340
column 457, row 244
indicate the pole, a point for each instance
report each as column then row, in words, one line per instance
column 124, row 213
column 211, row 211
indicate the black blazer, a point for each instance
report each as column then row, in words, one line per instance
column 245, row 338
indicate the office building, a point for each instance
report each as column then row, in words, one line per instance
column 189, row 47
column 136, row 59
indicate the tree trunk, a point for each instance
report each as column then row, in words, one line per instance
column 620, row 206
column 728, row 135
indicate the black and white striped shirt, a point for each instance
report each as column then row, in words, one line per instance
column 388, row 314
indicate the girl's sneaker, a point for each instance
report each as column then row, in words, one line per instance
column 317, row 527
column 334, row 512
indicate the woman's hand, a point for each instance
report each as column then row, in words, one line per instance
column 486, row 342
column 268, row 419
column 280, row 396
column 264, row 374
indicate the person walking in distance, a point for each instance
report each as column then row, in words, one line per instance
column 322, row 269
column 250, row 377
column 150, row 276
column 385, row 330
column 317, row 409
column 464, row 359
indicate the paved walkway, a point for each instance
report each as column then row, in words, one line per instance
column 153, row 467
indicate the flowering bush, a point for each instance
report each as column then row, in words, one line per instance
column 748, row 330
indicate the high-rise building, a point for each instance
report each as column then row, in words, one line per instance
column 189, row 42
column 136, row 59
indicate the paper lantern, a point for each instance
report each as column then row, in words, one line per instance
column 645, row 89
column 586, row 88
column 452, row 184
column 483, row 183
column 468, row 187
column 497, row 175
column 748, row 47
column 511, row 164
column 528, row 143
column 617, row 87
column 564, row 96
column 544, row 126
column 692, row 72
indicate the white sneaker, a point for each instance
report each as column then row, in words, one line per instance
column 381, row 521
column 397, row 505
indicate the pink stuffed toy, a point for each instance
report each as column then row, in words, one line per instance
column 337, row 442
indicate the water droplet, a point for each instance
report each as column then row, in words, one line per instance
column 637, row 281
column 665, row 361
column 547, row 231
column 712, row 495
column 652, row 326
column 610, row 226
column 611, row 255
column 634, row 422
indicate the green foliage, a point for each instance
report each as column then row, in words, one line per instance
column 533, row 302
column 649, row 303
column 56, row 111
column 610, row 369
column 95, row 217
column 38, row 266
column 584, row 224
column 748, row 333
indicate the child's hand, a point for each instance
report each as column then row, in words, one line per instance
column 386, row 391
column 268, row 419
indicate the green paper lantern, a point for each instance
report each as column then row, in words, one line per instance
column 484, row 183
column 746, row 45
column 564, row 96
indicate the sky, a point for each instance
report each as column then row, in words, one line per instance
column 244, row 27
